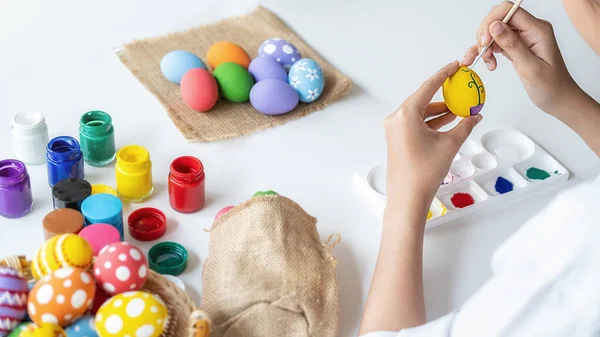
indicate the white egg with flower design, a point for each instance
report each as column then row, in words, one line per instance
column 307, row 78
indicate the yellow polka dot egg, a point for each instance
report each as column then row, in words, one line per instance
column 67, row 250
column 464, row 93
column 43, row 330
column 133, row 313
column 61, row 298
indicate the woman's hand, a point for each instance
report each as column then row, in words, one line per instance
column 419, row 157
column 531, row 46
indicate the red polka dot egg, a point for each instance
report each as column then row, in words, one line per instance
column 120, row 267
column 62, row 297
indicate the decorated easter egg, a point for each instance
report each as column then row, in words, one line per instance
column 200, row 323
column 43, row 330
column 62, row 297
column 307, row 78
column 464, row 93
column 134, row 313
column 17, row 331
column 84, row 327
column 235, row 82
column 223, row 211
column 281, row 51
column 199, row 90
column 66, row 250
column 273, row 97
column 263, row 68
column 176, row 63
column 226, row 51
column 120, row 267
column 13, row 299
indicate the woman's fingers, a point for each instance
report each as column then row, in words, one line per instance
column 419, row 101
column 442, row 120
column 435, row 109
column 470, row 56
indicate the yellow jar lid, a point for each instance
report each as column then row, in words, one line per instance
column 101, row 188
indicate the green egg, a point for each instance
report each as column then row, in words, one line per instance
column 17, row 331
column 264, row 193
column 234, row 81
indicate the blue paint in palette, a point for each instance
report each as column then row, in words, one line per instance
column 503, row 185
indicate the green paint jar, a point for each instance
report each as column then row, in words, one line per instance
column 97, row 138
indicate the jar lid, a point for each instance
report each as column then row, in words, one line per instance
column 168, row 258
column 102, row 208
column 147, row 224
column 62, row 221
column 100, row 236
column 101, row 188
column 70, row 192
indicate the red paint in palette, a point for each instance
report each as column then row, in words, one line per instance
column 462, row 200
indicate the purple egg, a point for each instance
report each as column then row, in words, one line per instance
column 13, row 299
column 263, row 68
column 281, row 51
column 273, row 97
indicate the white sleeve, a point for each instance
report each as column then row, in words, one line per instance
column 436, row 328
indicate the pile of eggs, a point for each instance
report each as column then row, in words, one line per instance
column 274, row 82
column 77, row 296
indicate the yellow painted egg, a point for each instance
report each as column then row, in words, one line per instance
column 67, row 250
column 43, row 330
column 464, row 93
column 134, row 313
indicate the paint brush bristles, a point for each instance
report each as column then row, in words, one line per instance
column 507, row 18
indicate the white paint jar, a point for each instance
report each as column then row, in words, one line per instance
column 29, row 137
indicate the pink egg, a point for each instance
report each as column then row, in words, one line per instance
column 120, row 267
column 223, row 211
column 199, row 89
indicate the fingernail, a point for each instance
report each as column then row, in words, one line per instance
column 496, row 28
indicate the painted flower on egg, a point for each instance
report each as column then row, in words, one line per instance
column 464, row 93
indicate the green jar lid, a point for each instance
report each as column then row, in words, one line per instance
column 263, row 193
column 168, row 258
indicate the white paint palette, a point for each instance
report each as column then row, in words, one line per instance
column 503, row 165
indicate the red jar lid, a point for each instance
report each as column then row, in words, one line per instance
column 147, row 224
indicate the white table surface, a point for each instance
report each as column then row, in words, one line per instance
column 57, row 58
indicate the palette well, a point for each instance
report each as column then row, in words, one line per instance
column 503, row 165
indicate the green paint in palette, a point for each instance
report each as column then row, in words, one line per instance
column 535, row 173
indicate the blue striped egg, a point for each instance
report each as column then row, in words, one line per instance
column 307, row 78
column 13, row 300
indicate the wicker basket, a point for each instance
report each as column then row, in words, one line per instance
column 179, row 304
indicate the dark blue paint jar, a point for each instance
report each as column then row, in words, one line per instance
column 65, row 159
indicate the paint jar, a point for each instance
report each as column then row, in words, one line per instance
column 65, row 159
column 134, row 174
column 16, row 199
column 29, row 137
column 70, row 193
column 97, row 138
column 101, row 188
column 186, row 184
column 62, row 221
column 104, row 209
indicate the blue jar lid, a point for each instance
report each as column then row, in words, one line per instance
column 102, row 208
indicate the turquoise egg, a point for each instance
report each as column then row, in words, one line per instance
column 176, row 63
column 83, row 327
column 307, row 78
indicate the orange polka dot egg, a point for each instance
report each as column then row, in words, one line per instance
column 134, row 313
column 62, row 297
column 43, row 330
column 120, row 267
column 67, row 250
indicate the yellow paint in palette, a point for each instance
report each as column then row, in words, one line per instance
column 436, row 210
column 429, row 215
column 464, row 93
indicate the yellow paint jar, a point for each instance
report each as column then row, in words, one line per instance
column 100, row 188
column 134, row 174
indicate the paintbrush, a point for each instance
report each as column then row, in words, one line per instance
column 507, row 18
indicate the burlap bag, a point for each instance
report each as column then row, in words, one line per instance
column 226, row 119
column 268, row 274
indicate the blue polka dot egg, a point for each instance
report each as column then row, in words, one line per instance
column 307, row 78
column 84, row 327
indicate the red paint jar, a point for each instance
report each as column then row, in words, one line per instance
column 186, row 184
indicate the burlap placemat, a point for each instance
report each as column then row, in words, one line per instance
column 226, row 119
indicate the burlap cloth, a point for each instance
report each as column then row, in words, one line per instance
column 268, row 274
column 226, row 119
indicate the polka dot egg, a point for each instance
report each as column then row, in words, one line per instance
column 84, row 327
column 13, row 299
column 43, row 330
column 120, row 267
column 281, row 51
column 61, row 298
column 134, row 313
column 67, row 250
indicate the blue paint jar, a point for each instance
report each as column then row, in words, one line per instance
column 15, row 189
column 65, row 159
column 103, row 209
